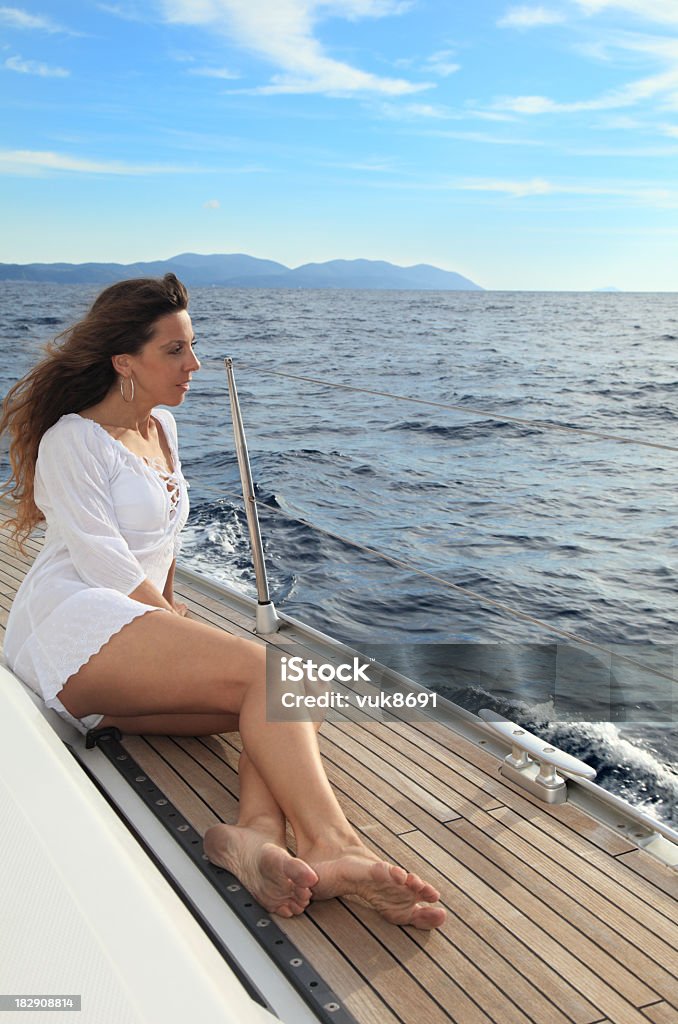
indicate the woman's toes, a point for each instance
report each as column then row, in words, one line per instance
column 299, row 872
column 398, row 874
column 297, row 906
column 427, row 917
column 429, row 894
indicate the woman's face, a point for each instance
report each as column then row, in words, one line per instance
column 162, row 369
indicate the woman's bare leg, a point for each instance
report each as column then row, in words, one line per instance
column 254, row 849
column 256, row 804
column 260, row 823
column 160, row 664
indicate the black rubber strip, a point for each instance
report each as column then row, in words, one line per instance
column 310, row 985
column 185, row 897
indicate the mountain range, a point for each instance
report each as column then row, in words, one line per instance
column 240, row 271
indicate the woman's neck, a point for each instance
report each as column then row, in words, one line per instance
column 113, row 411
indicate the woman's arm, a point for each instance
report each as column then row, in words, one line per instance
column 73, row 481
column 168, row 592
column 148, row 593
column 72, row 487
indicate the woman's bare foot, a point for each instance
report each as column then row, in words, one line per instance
column 400, row 897
column 280, row 882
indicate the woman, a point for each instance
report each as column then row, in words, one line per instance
column 94, row 456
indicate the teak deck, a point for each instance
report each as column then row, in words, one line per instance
column 552, row 917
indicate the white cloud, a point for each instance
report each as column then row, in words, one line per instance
column 664, row 84
column 355, row 9
column 375, row 166
column 214, row 73
column 542, row 187
column 212, row 204
column 637, row 152
column 27, row 161
column 483, row 137
column 16, row 18
column 489, row 115
column 662, row 47
column 31, row 162
column 127, row 12
column 441, row 64
column 530, row 17
column 34, row 67
column 518, row 189
column 664, row 11
column 407, row 111
column 527, row 104
column 282, row 32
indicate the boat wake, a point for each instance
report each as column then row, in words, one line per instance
column 633, row 761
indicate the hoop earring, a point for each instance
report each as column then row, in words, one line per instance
column 122, row 390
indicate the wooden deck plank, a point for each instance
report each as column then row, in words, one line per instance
column 660, row 875
column 544, row 993
column 610, row 878
column 421, row 969
column 337, row 970
column 578, row 888
column 367, row 744
column 205, row 753
column 661, row 1013
column 643, row 950
column 594, row 942
column 592, row 986
column 14, row 559
column 448, row 974
column 610, row 901
column 453, row 783
column 415, row 801
column 373, row 807
column 409, row 994
column 536, row 855
column 212, row 788
column 11, row 576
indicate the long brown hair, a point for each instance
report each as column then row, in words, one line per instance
column 76, row 373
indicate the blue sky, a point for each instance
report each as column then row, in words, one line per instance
column 525, row 145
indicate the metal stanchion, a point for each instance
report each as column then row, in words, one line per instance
column 267, row 618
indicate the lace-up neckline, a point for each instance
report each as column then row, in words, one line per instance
column 169, row 478
column 156, row 464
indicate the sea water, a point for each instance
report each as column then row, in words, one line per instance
column 535, row 535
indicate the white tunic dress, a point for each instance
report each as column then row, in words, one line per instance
column 113, row 520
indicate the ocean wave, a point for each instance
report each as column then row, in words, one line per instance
column 627, row 765
column 466, row 431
